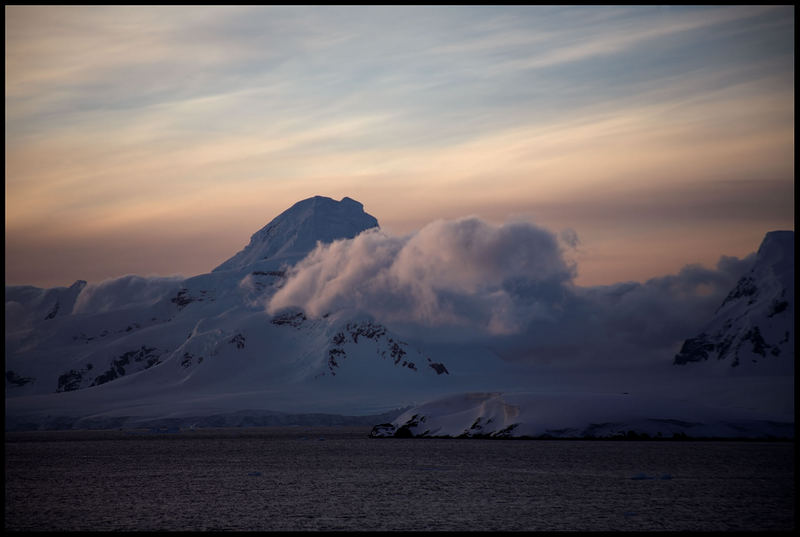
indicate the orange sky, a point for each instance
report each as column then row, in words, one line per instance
column 156, row 140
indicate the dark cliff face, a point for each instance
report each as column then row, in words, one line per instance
column 696, row 349
column 387, row 347
column 755, row 322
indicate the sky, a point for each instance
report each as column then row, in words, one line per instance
column 155, row 140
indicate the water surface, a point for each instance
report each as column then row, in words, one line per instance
column 299, row 478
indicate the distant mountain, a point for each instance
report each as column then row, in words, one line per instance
column 754, row 326
column 296, row 231
column 39, row 304
column 135, row 349
column 751, row 335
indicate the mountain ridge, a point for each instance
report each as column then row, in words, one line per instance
column 754, row 323
column 136, row 350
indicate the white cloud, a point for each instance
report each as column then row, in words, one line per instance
column 509, row 287
column 457, row 273
column 125, row 292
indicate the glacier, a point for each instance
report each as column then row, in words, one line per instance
column 570, row 415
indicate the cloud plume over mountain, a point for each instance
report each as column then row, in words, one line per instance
column 459, row 273
column 510, row 285
column 126, row 291
column 324, row 311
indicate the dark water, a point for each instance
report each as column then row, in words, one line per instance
column 337, row 479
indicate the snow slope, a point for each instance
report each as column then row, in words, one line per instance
column 573, row 415
column 295, row 232
column 754, row 326
column 134, row 349
column 205, row 350
column 751, row 337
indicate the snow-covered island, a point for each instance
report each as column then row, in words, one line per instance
column 573, row 415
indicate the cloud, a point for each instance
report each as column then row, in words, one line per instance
column 627, row 323
column 570, row 237
column 119, row 116
column 125, row 292
column 462, row 273
column 592, row 40
column 508, row 287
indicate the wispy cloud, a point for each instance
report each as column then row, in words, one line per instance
column 120, row 116
column 626, row 30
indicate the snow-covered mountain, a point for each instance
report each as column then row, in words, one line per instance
column 751, row 340
column 296, row 231
column 207, row 350
column 754, row 326
column 135, row 349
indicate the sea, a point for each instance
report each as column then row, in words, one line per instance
column 339, row 479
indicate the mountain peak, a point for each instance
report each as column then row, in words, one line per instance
column 777, row 250
column 295, row 232
column 755, row 322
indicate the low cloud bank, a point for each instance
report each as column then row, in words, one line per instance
column 509, row 286
column 124, row 292
column 629, row 322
